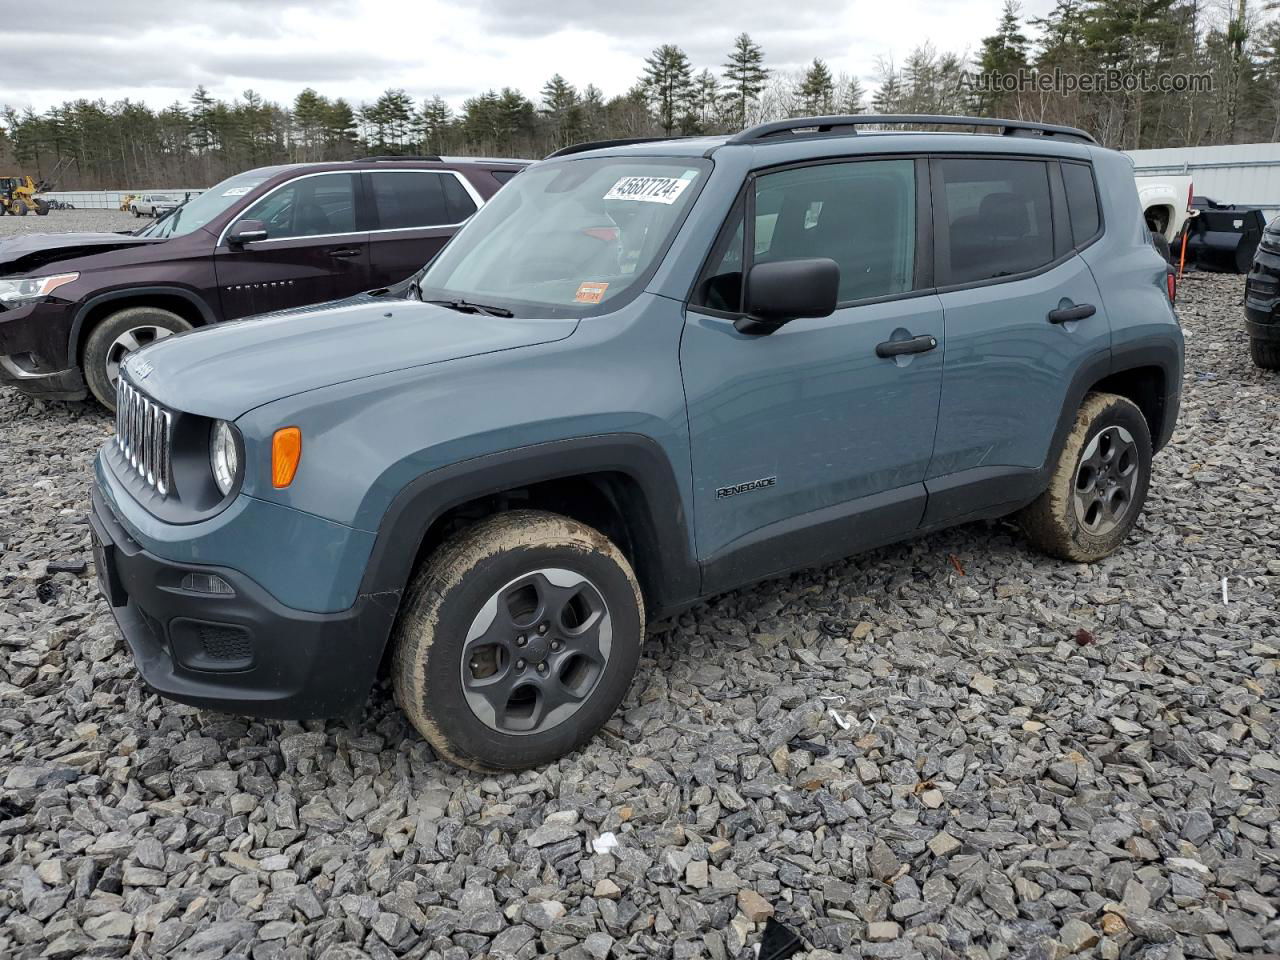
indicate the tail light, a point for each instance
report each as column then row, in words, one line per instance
column 1171, row 285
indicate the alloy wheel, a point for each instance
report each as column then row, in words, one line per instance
column 536, row 651
column 127, row 343
column 1106, row 480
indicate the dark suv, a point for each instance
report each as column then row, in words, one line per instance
column 1262, row 300
column 74, row 305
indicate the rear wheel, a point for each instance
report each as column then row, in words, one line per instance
column 136, row 211
column 19, row 208
column 1266, row 353
column 518, row 640
column 115, row 338
column 1098, row 486
column 42, row 208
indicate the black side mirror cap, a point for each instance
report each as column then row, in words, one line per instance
column 246, row 231
column 787, row 290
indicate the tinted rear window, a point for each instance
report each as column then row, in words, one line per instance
column 412, row 198
column 1082, row 202
column 502, row 176
column 996, row 219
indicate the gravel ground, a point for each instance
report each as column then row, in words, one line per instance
column 70, row 221
column 948, row 748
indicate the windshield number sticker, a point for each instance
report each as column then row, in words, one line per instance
column 236, row 191
column 590, row 292
column 648, row 189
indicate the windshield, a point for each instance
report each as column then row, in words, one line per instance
column 199, row 210
column 567, row 238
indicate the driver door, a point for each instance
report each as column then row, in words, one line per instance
column 314, row 251
column 806, row 443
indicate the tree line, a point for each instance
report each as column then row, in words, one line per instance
column 93, row 144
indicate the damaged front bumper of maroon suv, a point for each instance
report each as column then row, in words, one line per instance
column 33, row 350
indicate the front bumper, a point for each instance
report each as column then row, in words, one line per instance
column 242, row 653
column 33, row 351
column 55, row 385
column 1262, row 294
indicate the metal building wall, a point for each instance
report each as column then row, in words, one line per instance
column 1246, row 173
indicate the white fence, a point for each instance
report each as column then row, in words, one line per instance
column 111, row 199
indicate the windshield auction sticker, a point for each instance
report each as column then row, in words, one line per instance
column 648, row 189
column 589, row 292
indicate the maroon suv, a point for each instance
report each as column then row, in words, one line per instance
column 73, row 305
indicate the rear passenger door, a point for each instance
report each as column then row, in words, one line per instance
column 314, row 250
column 416, row 212
column 1023, row 318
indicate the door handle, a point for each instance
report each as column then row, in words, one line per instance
column 896, row 348
column 345, row 252
column 1063, row 314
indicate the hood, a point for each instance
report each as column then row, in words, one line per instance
column 29, row 252
column 226, row 370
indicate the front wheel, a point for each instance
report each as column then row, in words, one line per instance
column 518, row 640
column 1266, row 353
column 42, row 208
column 1099, row 483
column 19, row 208
column 115, row 338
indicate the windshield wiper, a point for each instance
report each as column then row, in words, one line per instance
column 463, row 306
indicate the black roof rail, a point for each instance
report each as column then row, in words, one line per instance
column 848, row 126
column 602, row 144
column 428, row 157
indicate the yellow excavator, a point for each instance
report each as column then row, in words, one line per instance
column 18, row 196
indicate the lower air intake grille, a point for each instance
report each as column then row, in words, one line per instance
column 224, row 643
column 209, row 645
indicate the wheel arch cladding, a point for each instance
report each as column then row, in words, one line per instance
column 621, row 484
column 185, row 304
column 1146, row 387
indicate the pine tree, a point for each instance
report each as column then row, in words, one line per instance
column 1004, row 54
column 850, row 95
column 560, row 105
column 817, row 90
column 434, row 121
column 706, row 100
column 668, row 83
column 745, row 77
column 888, row 96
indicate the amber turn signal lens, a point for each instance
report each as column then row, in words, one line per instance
column 286, row 452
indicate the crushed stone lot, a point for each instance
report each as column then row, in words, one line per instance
column 71, row 221
column 952, row 747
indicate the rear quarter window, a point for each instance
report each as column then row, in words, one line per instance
column 1082, row 202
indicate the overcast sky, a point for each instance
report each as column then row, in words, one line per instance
column 157, row 51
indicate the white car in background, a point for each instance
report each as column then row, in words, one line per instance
column 153, row 204
column 1166, row 204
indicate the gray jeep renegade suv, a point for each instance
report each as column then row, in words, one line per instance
column 643, row 374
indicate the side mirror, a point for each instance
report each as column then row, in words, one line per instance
column 787, row 290
column 246, row 231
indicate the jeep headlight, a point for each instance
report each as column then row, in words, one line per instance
column 224, row 455
column 23, row 289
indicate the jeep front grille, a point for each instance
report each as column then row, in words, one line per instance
column 143, row 431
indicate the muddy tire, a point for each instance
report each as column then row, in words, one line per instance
column 517, row 640
column 42, row 208
column 1098, row 485
column 1265, row 353
column 115, row 338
